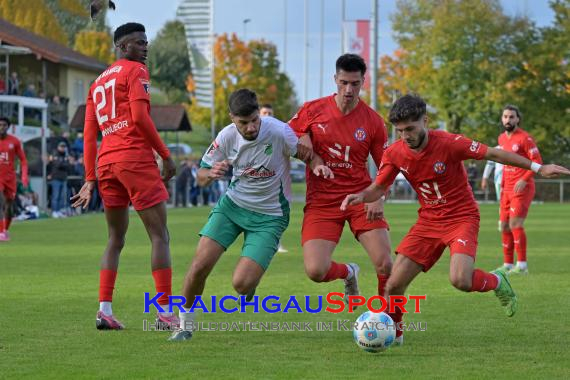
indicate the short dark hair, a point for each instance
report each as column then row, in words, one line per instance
column 512, row 107
column 125, row 29
column 266, row 105
column 409, row 107
column 4, row 118
column 351, row 63
column 243, row 102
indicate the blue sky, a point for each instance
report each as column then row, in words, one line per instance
column 268, row 22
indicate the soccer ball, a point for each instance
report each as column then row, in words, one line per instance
column 374, row 332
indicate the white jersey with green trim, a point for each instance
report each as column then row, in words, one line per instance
column 261, row 179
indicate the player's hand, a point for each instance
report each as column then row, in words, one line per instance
column 484, row 184
column 305, row 148
column 553, row 171
column 374, row 210
column 168, row 169
column 83, row 198
column 520, row 186
column 219, row 170
column 323, row 170
column 351, row 200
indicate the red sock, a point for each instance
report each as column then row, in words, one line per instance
column 8, row 221
column 520, row 243
column 382, row 279
column 508, row 247
column 163, row 283
column 336, row 271
column 1, row 225
column 483, row 281
column 107, row 279
column 397, row 318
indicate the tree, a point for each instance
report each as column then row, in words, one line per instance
column 254, row 66
column 168, row 61
column 95, row 44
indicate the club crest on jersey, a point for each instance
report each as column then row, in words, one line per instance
column 360, row 134
column 268, row 149
column 515, row 147
column 212, row 149
column 439, row 167
column 146, row 85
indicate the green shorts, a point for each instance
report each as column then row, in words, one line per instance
column 261, row 232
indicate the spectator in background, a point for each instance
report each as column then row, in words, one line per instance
column 77, row 147
column 184, row 180
column 13, row 84
column 30, row 91
column 65, row 139
column 58, row 169
column 2, row 86
column 57, row 111
column 472, row 175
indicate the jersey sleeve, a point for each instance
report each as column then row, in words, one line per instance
column 300, row 122
column 215, row 152
column 379, row 142
column 489, row 167
column 387, row 171
column 290, row 140
column 139, row 84
column 462, row 148
column 23, row 162
column 533, row 154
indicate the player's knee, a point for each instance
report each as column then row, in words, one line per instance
column 316, row 274
column 242, row 285
column 116, row 243
column 385, row 267
column 462, row 283
column 198, row 271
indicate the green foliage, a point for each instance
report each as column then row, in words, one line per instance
column 168, row 61
column 468, row 59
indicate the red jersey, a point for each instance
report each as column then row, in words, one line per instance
column 521, row 143
column 344, row 142
column 10, row 148
column 108, row 103
column 436, row 173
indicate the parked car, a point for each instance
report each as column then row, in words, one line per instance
column 297, row 171
column 179, row 149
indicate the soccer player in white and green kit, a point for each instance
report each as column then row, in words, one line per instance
column 256, row 203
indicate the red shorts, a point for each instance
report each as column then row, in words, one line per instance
column 425, row 242
column 516, row 204
column 139, row 183
column 8, row 186
column 327, row 223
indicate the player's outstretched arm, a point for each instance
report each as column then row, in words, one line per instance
column 370, row 194
column 512, row 159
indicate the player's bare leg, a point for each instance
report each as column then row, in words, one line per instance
column 117, row 226
column 404, row 271
column 516, row 225
column 246, row 277
column 207, row 255
column 377, row 244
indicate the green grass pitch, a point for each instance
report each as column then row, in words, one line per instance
column 48, row 302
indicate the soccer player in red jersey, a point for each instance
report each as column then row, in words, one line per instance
column 343, row 130
column 432, row 161
column 517, row 190
column 118, row 105
column 10, row 148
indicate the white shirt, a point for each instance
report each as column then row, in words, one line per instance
column 261, row 179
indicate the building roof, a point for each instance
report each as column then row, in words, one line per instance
column 166, row 118
column 47, row 49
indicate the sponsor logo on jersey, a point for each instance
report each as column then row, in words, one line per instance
column 439, row 167
column 260, row 173
column 360, row 134
column 475, row 145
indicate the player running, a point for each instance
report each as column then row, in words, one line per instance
column 118, row 105
column 10, row 148
column 449, row 216
column 256, row 203
column 344, row 131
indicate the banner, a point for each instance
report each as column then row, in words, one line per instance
column 357, row 41
column 197, row 17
